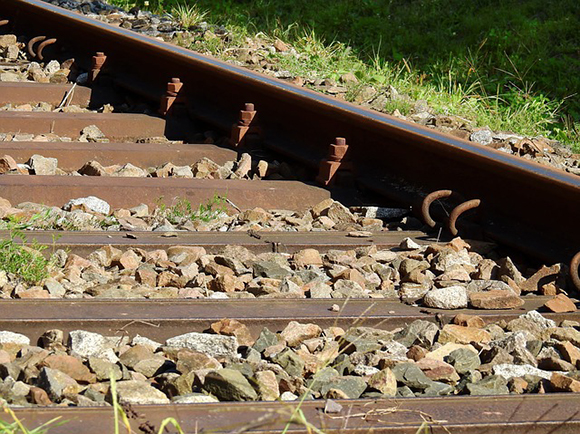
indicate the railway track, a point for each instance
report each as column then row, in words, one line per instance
column 193, row 107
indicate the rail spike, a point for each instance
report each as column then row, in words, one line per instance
column 456, row 213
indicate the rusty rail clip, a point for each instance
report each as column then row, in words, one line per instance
column 574, row 272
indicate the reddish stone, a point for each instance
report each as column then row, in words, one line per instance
column 561, row 303
column 71, row 366
column 468, row 321
column 495, row 299
column 232, row 327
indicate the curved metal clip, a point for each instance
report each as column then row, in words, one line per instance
column 574, row 265
column 42, row 46
column 30, row 45
column 457, row 211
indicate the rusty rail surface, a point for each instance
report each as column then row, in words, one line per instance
column 173, row 317
column 522, row 203
column 86, row 242
column 519, row 414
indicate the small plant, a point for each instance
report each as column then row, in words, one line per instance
column 183, row 210
column 17, row 427
column 27, row 263
column 188, row 15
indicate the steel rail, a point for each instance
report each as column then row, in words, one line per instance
column 172, row 317
column 85, row 242
column 523, row 204
column 514, row 414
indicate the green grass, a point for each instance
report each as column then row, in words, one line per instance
column 26, row 263
column 511, row 65
column 17, row 426
column 182, row 210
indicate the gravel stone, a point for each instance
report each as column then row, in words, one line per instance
column 229, row 385
column 213, row 345
column 451, row 297
column 7, row 337
column 91, row 202
column 136, row 392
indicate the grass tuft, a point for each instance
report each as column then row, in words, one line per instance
column 510, row 66
column 26, row 263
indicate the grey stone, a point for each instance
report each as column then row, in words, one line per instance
column 7, row 337
column 492, row 385
column 270, row 270
column 54, row 288
column 488, row 285
column 405, row 392
column 364, row 339
column 410, row 375
column 90, row 202
column 193, row 398
column 321, row 378
column 42, row 165
column 87, row 344
column 508, row 371
column 419, row 332
column 352, row 387
column 104, row 370
column 539, row 320
column 146, row 342
column 463, row 360
column 413, row 292
column 523, row 357
column 320, row 290
column 139, row 392
column 513, row 340
column 229, row 385
column 51, row 67
column 265, row 340
column 56, row 383
column 213, row 345
column 290, row 361
column 451, row 297
column 348, row 289
column 438, row 389
column 92, row 133
column 483, row 137
column 395, row 351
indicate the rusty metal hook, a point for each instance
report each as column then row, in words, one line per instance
column 31, row 43
column 574, row 265
column 426, row 204
column 457, row 211
column 42, row 46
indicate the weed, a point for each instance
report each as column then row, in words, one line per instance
column 17, row 427
column 27, row 263
column 486, row 62
column 188, row 15
column 183, row 210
